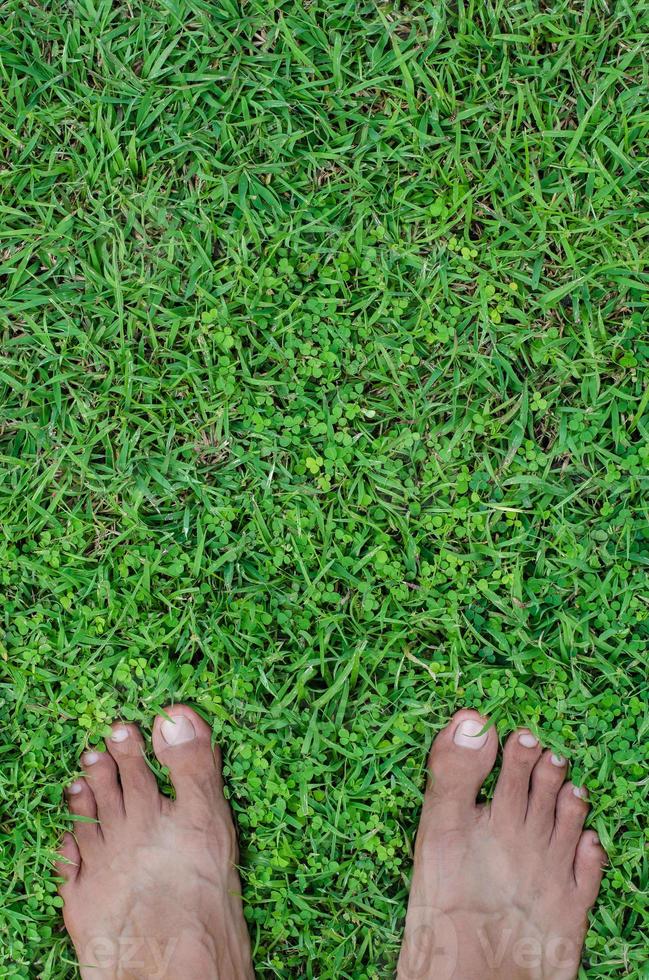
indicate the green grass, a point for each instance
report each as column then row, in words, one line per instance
column 324, row 383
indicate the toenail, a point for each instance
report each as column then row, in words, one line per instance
column 177, row 731
column 89, row 758
column 75, row 788
column 595, row 838
column 467, row 734
column 557, row 760
column 581, row 792
column 119, row 735
column 528, row 740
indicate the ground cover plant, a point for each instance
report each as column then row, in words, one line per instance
column 324, row 373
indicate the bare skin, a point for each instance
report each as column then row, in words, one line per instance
column 500, row 891
column 150, row 885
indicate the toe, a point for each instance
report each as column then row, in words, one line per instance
column 139, row 787
column 182, row 741
column 82, row 806
column 571, row 812
column 68, row 861
column 460, row 760
column 101, row 776
column 521, row 753
column 547, row 779
column 590, row 861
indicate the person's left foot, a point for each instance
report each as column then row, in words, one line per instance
column 150, row 885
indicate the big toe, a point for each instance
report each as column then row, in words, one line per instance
column 182, row 741
column 462, row 756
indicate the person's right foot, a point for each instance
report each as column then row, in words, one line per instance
column 500, row 891
column 150, row 887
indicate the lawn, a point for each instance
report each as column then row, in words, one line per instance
column 324, row 406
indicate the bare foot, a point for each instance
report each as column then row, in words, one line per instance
column 500, row 890
column 150, row 885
